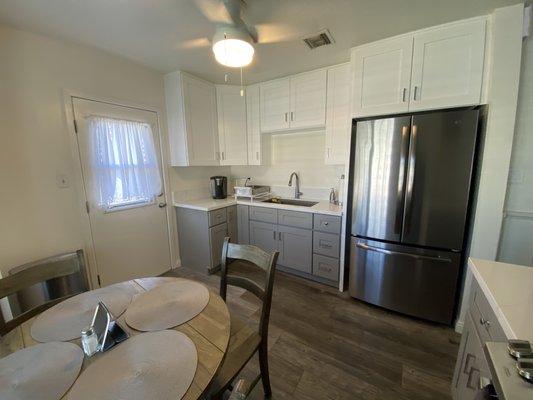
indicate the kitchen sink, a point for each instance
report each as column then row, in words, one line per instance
column 292, row 202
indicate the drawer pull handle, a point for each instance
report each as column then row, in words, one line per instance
column 469, row 358
column 484, row 322
column 325, row 246
column 326, row 223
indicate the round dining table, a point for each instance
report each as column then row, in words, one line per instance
column 209, row 331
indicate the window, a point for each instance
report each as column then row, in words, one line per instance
column 124, row 162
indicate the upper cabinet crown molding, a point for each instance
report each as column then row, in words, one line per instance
column 232, row 134
column 192, row 120
column 295, row 102
column 437, row 67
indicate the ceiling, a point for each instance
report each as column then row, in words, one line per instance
column 174, row 34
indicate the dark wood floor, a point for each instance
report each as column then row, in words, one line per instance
column 325, row 345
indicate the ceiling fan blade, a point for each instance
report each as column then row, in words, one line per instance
column 215, row 11
column 198, row 43
column 276, row 33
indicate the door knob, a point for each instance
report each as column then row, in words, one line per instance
column 162, row 205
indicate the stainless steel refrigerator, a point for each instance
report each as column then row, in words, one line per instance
column 411, row 188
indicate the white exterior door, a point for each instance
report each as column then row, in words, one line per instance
column 130, row 238
column 338, row 120
column 200, row 103
column 382, row 75
column 308, row 100
column 231, row 109
column 448, row 66
column 253, row 125
column 275, row 104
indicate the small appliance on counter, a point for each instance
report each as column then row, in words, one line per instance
column 219, row 187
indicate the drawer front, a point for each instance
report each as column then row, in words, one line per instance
column 485, row 320
column 326, row 244
column 326, row 267
column 295, row 218
column 327, row 223
column 264, row 214
column 217, row 217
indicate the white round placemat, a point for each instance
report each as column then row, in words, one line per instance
column 64, row 321
column 41, row 372
column 167, row 306
column 153, row 365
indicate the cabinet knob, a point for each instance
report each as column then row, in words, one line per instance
column 326, row 223
column 484, row 322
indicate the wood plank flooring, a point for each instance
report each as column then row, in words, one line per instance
column 326, row 345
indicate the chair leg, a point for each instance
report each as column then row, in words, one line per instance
column 263, row 365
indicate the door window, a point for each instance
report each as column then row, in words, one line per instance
column 124, row 163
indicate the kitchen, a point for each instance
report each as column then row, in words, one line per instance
column 273, row 155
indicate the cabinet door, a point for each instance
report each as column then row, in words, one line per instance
column 232, row 223
column 308, row 100
column 448, row 66
column 295, row 248
column 253, row 125
column 216, row 241
column 338, row 118
column 264, row 236
column 382, row 75
column 275, row 104
column 243, row 219
column 201, row 121
column 231, row 110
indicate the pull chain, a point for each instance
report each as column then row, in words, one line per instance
column 242, row 87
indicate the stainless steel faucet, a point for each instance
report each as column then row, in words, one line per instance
column 297, row 192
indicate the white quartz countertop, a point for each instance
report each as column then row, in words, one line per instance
column 509, row 290
column 209, row 204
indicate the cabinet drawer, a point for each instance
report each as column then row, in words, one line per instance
column 264, row 214
column 217, row 234
column 217, row 216
column 326, row 244
column 487, row 325
column 296, row 219
column 327, row 223
column 326, row 267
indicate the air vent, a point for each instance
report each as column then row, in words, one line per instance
column 322, row 38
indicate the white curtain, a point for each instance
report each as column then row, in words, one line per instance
column 124, row 162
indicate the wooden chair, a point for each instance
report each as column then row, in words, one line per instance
column 245, row 342
column 38, row 272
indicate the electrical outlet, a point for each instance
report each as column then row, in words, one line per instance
column 62, row 181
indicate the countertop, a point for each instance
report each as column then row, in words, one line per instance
column 509, row 290
column 209, row 204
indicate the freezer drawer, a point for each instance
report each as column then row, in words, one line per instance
column 409, row 280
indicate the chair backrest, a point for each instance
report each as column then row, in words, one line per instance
column 38, row 272
column 261, row 259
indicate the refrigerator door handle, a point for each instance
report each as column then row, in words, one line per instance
column 410, row 179
column 399, row 253
column 401, row 180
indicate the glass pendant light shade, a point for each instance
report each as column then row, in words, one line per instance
column 232, row 47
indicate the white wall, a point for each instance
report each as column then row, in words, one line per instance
column 504, row 64
column 38, row 219
column 300, row 152
column 517, row 234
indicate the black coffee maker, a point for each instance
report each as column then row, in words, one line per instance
column 219, row 187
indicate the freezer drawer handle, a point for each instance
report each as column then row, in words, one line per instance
column 398, row 253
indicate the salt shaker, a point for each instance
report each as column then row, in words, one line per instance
column 89, row 341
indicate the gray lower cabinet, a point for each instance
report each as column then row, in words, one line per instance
column 326, row 267
column 480, row 326
column 243, row 222
column 264, row 236
column 201, row 235
column 295, row 248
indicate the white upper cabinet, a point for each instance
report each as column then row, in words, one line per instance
column 253, row 124
column 448, row 65
column 275, row 104
column 381, row 77
column 338, row 115
column 296, row 102
column 231, row 109
column 438, row 67
column 192, row 120
column 308, row 100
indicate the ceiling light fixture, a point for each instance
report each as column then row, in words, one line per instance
column 232, row 47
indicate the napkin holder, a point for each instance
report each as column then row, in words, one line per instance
column 108, row 330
